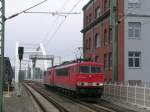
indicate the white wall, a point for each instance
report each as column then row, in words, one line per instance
column 142, row 44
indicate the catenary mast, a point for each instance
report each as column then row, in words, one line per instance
column 2, row 22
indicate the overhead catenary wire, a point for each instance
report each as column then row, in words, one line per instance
column 54, row 22
column 53, row 13
column 123, row 18
column 54, row 33
column 52, row 36
column 23, row 11
column 70, row 48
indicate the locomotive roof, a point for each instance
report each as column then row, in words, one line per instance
column 76, row 63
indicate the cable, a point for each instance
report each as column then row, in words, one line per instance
column 71, row 47
column 14, row 15
column 52, row 36
column 51, row 26
column 61, row 23
column 75, row 6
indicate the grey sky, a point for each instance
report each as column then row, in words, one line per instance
column 36, row 28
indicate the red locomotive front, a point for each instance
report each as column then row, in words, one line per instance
column 90, row 79
column 78, row 78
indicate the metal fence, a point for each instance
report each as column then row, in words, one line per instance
column 137, row 95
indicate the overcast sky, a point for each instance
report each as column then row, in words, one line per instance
column 36, row 28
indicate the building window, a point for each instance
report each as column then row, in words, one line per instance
column 62, row 72
column 86, row 44
column 134, row 3
column 89, row 43
column 97, row 12
column 134, row 30
column 105, row 37
column 96, row 58
column 110, row 61
column 105, row 62
column 110, row 35
column 106, row 4
column 86, row 20
column 97, row 41
column 90, row 18
column 109, row 3
column 134, row 59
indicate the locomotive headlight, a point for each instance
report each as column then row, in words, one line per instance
column 100, row 84
column 78, row 83
column 97, row 84
column 82, row 83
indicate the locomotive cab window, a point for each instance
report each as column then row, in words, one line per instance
column 84, row 69
column 89, row 69
column 62, row 72
column 95, row 69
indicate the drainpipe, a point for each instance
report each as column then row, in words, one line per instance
column 114, row 24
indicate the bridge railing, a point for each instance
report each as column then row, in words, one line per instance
column 132, row 94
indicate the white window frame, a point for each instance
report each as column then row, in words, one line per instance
column 134, row 59
column 134, row 4
column 133, row 27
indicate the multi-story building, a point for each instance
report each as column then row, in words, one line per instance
column 115, row 32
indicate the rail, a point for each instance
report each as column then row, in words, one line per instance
column 34, row 97
column 51, row 100
column 86, row 106
column 99, row 106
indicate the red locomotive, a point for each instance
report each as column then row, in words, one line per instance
column 78, row 78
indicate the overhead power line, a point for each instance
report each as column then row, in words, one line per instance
column 53, row 13
column 14, row 15
column 62, row 8
column 62, row 23
column 55, row 32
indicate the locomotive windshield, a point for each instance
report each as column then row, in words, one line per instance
column 89, row 69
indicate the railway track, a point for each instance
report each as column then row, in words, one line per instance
column 100, row 106
column 89, row 107
column 41, row 107
column 117, row 108
column 51, row 100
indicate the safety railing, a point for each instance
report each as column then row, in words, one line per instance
column 136, row 95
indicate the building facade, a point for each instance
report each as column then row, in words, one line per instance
column 113, row 34
column 137, row 40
